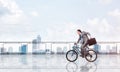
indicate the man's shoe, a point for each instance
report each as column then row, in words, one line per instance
column 82, row 56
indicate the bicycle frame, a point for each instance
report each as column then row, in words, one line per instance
column 77, row 49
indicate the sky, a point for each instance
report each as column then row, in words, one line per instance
column 58, row 20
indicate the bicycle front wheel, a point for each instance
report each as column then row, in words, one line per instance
column 71, row 55
column 91, row 56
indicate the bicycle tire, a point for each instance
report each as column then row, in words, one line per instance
column 88, row 54
column 76, row 55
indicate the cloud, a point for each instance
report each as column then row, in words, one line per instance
column 103, row 29
column 105, row 2
column 106, row 29
column 115, row 16
column 10, row 12
column 13, row 21
column 63, row 32
column 34, row 13
column 11, row 6
column 114, row 13
column 99, row 25
column 100, row 28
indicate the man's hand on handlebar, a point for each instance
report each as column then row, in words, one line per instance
column 75, row 43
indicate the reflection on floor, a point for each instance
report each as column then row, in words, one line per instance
column 57, row 63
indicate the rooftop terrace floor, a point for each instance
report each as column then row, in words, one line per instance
column 57, row 63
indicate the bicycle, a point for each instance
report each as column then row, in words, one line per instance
column 89, row 54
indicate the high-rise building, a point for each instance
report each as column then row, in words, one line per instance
column 38, row 39
column 65, row 49
column 23, row 49
column 59, row 50
column 2, row 50
column 108, row 49
column 10, row 50
column 114, row 50
column 97, row 48
column 36, row 44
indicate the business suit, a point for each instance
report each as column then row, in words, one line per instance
column 83, row 37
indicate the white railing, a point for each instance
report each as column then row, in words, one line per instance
column 53, row 47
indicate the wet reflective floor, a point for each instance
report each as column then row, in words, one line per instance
column 57, row 63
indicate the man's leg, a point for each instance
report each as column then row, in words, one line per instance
column 83, row 49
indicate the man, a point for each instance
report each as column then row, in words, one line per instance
column 84, row 40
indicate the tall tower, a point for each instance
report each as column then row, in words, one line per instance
column 38, row 41
column 36, row 44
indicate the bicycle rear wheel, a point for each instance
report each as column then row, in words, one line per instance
column 91, row 56
column 71, row 55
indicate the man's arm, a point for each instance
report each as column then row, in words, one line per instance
column 79, row 39
column 89, row 34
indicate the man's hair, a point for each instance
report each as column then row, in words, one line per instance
column 79, row 30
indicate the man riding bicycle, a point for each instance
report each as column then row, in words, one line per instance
column 83, row 39
column 89, row 54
